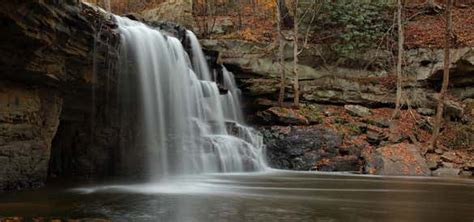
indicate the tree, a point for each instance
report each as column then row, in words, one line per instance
column 295, row 56
column 285, row 17
column 401, row 40
column 281, row 97
column 444, row 87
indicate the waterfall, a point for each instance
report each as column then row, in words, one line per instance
column 188, row 126
column 198, row 60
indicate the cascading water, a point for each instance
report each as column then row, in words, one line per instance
column 189, row 127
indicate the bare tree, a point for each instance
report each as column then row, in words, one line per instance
column 401, row 40
column 444, row 87
column 295, row 56
column 281, row 97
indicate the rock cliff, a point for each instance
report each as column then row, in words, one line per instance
column 53, row 54
column 359, row 83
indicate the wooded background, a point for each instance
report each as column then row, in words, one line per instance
column 226, row 6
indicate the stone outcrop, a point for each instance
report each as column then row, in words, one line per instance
column 427, row 65
column 446, row 172
column 177, row 11
column 309, row 148
column 337, row 83
column 357, row 110
column 53, row 55
column 397, row 160
column 282, row 116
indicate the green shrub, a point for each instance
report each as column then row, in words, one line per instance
column 360, row 24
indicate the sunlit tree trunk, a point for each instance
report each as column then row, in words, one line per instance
column 444, row 87
column 401, row 40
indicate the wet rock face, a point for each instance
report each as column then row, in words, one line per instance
column 308, row 148
column 29, row 118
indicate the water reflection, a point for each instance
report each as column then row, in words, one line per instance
column 270, row 196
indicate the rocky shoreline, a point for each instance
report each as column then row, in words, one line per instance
column 343, row 142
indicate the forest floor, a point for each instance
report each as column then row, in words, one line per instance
column 428, row 30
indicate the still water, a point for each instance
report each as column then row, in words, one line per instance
column 269, row 196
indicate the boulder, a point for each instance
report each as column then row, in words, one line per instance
column 396, row 137
column 303, row 148
column 398, row 159
column 466, row 173
column 454, row 110
column 376, row 137
column 178, row 11
column 283, row 116
column 357, row 110
column 340, row 164
column 446, row 172
column 382, row 123
column 426, row 111
column 448, row 164
column 449, row 157
column 373, row 137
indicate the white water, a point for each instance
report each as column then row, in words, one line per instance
column 189, row 128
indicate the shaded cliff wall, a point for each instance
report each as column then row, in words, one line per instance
column 55, row 82
column 29, row 118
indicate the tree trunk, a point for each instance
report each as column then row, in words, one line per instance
column 295, row 56
column 239, row 2
column 444, row 87
column 401, row 40
column 285, row 17
column 281, row 97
